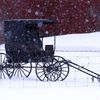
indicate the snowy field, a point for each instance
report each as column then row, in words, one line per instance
column 83, row 49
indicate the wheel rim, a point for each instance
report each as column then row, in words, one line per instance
column 22, row 69
column 64, row 67
column 6, row 68
column 48, row 69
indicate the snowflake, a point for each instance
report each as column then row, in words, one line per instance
column 40, row 24
column 88, row 2
column 29, row 10
column 18, row 51
column 46, row 32
column 86, row 20
column 34, row 40
column 37, row 13
column 38, row 5
column 16, row 38
column 7, row 13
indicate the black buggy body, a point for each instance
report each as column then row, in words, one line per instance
column 22, row 40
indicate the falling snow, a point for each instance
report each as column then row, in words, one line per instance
column 29, row 10
column 69, row 14
column 36, row 13
column 72, row 16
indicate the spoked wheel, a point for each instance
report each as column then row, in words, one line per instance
column 48, row 69
column 39, row 70
column 6, row 66
column 22, row 69
column 64, row 67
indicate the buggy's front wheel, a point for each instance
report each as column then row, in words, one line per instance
column 64, row 67
column 48, row 69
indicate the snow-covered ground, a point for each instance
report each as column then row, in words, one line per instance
column 83, row 49
column 78, row 42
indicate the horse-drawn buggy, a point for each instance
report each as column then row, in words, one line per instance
column 24, row 51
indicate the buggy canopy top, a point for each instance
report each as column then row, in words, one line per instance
column 32, row 21
column 20, row 26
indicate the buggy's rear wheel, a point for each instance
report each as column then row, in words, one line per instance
column 48, row 69
column 22, row 69
column 64, row 67
column 6, row 66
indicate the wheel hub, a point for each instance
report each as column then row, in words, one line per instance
column 1, row 67
column 18, row 66
column 53, row 71
column 49, row 69
column 52, row 68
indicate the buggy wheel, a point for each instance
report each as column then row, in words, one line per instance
column 64, row 67
column 22, row 69
column 48, row 69
column 39, row 70
column 6, row 66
